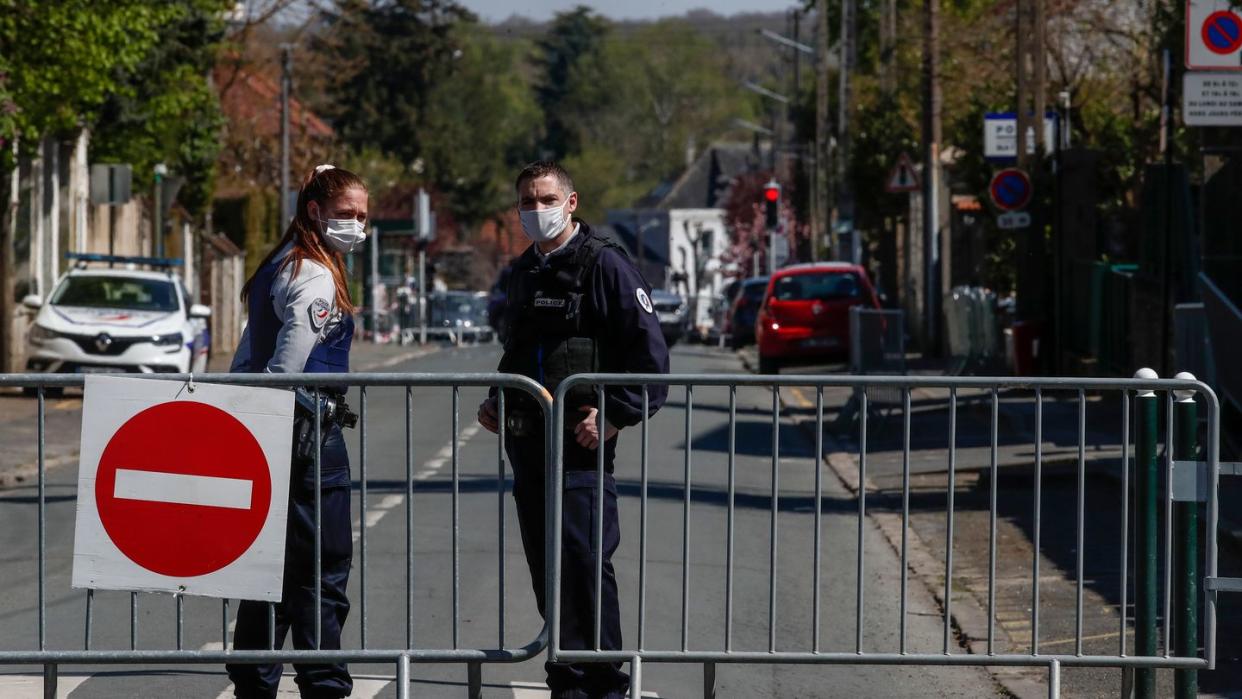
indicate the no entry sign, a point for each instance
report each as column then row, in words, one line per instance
column 1213, row 35
column 1011, row 189
column 180, row 491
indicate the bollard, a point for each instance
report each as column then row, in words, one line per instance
column 1186, row 586
column 1145, row 496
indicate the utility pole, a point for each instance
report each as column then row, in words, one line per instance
column 286, row 86
column 931, row 175
column 158, row 218
column 1031, row 107
column 845, row 192
column 823, row 130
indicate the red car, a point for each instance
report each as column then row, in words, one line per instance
column 806, row 313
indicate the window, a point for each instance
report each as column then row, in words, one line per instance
column 830, row 286
column 126, row 293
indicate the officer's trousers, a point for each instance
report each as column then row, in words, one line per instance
column 577, row 680
column 296, row 611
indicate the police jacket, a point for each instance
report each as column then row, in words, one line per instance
column 585, row 308
column 294, row 324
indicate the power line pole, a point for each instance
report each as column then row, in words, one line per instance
column 286, row 85
column 931, row 175
column 845, row 192
column 823, row 130
column 1031, row 107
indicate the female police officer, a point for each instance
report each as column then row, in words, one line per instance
column 300, row 321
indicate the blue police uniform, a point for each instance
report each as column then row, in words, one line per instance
column 582, row 308
column 294, row 326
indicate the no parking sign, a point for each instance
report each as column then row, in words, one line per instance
column 182, row 491
column 1213, row 35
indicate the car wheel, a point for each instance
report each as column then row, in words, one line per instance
column 768, row 365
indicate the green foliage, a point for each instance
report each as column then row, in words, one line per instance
column 166, row 111
column 574, row 38
column 67, row 56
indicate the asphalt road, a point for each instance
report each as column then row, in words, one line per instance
column 482, row 560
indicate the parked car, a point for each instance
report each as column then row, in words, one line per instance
column 459, row 316
column 805, row 313
column 117, row 320
column 745, row 310
column 670, row 309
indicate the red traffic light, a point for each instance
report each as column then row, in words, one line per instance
column 772, row 192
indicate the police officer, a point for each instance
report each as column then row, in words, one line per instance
column 300, row 321
column 576, row 303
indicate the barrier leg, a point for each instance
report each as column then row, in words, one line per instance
column 709, row 680
column 1145, row 492
column 403, row 677
column 50, row 675
column 1054, row 679
column 474, row 680
column 1186, row 587
column 636, row 678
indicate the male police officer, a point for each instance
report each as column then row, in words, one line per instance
column 576, row 303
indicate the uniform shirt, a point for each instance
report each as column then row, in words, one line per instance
column 306, row 307
column 628, row 332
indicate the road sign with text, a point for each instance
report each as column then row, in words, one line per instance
column 1212, row 99
column 183, row 491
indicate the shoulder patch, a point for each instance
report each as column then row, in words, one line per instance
column 319, row 311
column 643, row 299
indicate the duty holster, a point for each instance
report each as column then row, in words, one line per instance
column 332, row 411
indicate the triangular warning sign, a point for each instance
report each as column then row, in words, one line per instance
column 902, row 178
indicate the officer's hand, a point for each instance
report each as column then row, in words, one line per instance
column 489, row 416
column 587, row 432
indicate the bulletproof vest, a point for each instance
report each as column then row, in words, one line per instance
column 331, row 353
column 553, row 324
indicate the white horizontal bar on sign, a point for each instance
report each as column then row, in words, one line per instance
column 182, row 489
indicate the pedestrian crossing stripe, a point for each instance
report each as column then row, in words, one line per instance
column 902, row 178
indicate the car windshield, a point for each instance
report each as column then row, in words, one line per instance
column 454, row 307
column 754, row 292
column 128, row 293
column 824, row 286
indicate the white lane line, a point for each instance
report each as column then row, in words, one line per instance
column 364, row 687
column 531, row 690
column 430, row 468
column 182, row 489
column 31, row 686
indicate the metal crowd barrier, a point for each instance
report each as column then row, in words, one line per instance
column 1142, row 659
column 52, row 659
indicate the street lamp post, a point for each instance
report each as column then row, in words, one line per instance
column 158, row 219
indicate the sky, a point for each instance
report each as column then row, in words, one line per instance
column 539, row 10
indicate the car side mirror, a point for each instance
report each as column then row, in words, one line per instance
column 32, row 302
column 198, row 310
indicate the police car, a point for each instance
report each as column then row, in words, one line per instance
column 118, row 319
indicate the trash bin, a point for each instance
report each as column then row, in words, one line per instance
column 1022, row 347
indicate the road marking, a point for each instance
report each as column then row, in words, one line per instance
column 1096, row 637
column 31, row 686
column 430, row 468
column 183, row 489
column 364, row 687
column 403, row 357
column 802, row 399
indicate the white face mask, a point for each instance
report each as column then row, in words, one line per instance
column 542, row 225
column 343, row 235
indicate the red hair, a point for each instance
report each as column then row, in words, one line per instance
column 303, row 231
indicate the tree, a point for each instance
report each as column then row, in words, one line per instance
column 166, row 111
column 572, row 40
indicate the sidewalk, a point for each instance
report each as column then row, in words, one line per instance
column 63, row 421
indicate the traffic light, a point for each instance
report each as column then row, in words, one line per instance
column 772, row 203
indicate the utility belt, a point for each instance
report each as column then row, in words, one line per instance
column 332, row 410
column 525, row 419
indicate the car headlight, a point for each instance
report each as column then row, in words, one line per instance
column 171, row 339
column 38, row 333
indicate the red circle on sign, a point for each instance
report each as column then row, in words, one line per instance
column 1222, row 32
column 159, row 530
column 1011, row 189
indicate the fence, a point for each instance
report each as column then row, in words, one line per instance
column 972, row 327
column 51, row 659
column 1139, row 410
column 1138, row 394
